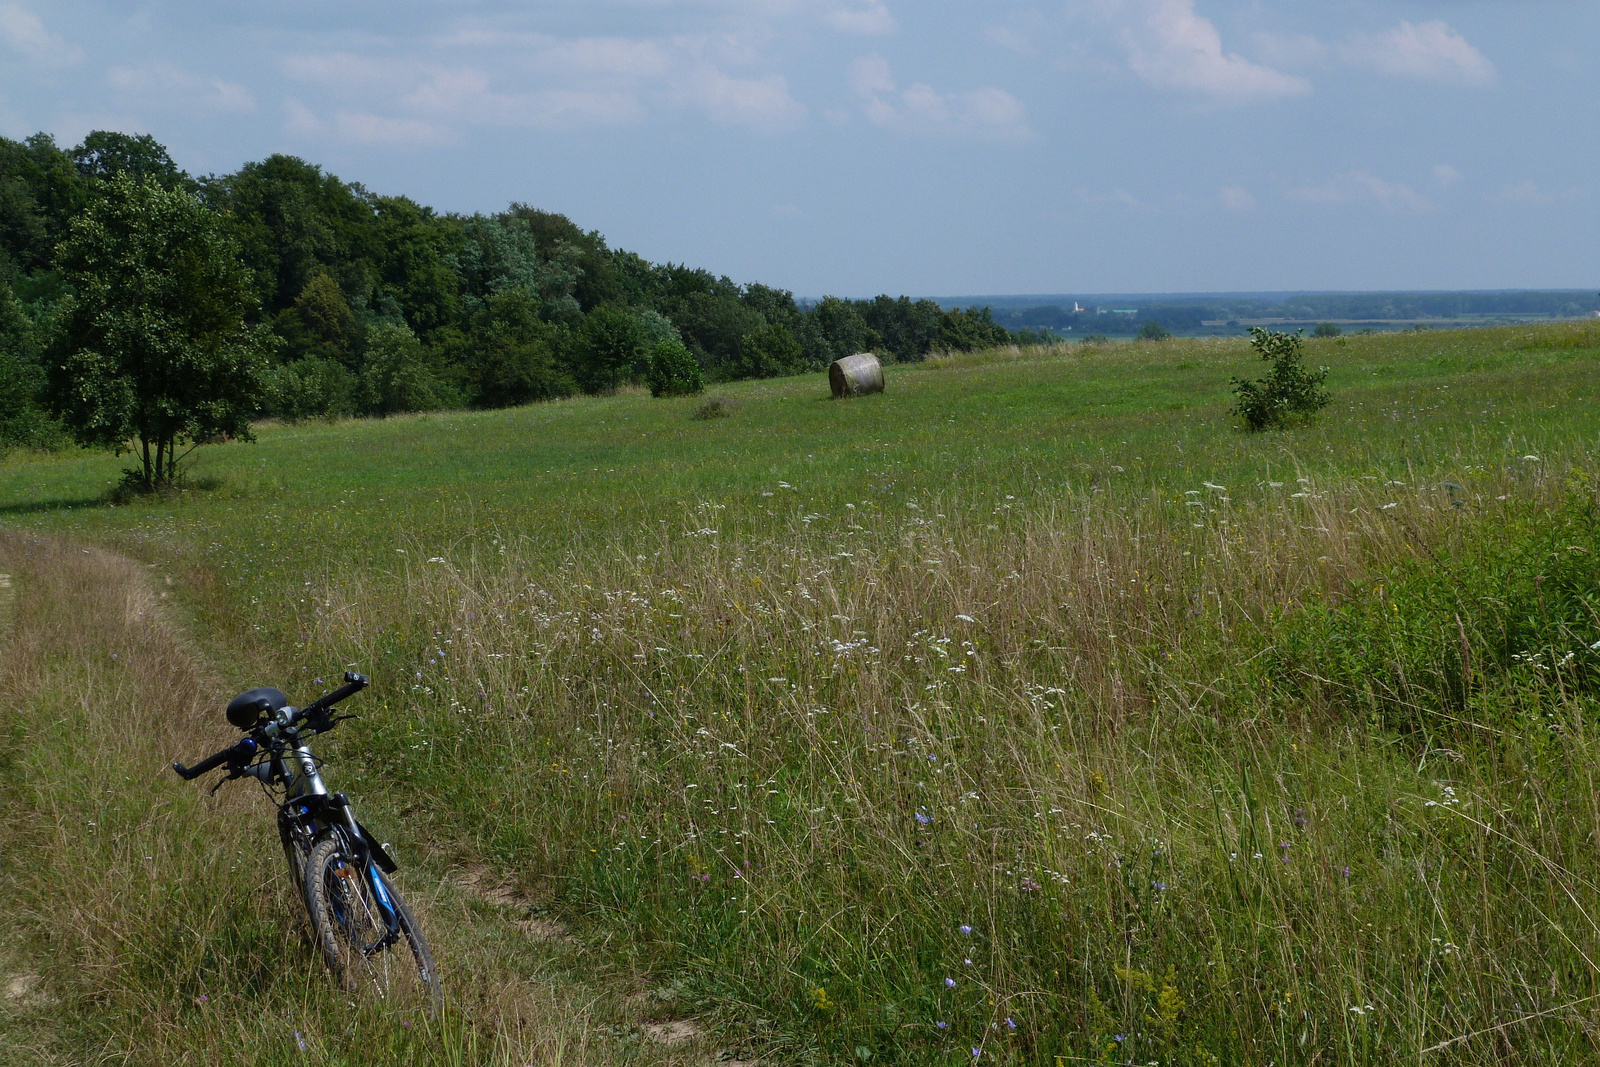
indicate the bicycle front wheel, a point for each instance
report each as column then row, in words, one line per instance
column 347, row 911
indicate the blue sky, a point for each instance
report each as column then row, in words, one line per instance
column 933, row 147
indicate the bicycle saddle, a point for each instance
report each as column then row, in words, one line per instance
column 253, row 705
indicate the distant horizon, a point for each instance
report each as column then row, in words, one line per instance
column 1013, row 299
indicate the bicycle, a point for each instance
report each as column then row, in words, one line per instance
column 358, row 918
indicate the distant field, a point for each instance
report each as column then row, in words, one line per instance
column 1030, row 710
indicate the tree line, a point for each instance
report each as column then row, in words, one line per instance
column 332, row 300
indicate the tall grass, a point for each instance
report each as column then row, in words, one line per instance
column 1072, row 777
column 148, row 924
column 1011, row 718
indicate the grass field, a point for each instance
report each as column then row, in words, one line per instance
column 1029, row 711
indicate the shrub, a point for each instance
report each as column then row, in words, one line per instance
column 309, row 388
column 1497, row 627
column 1326, row 329
column 718, row 407
column 1154, row 331
column 674, row 371
column 1288, row 392
column 397, row 377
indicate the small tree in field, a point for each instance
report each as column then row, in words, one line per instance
column 674, row 371
column 153, row 350
column 1288, row 392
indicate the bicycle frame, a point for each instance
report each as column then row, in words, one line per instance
column 309, row 813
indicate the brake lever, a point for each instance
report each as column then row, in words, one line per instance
column 233, row 772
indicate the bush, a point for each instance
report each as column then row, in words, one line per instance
column 1154, row 331
column 1326, row 329
column 674, row 371
column 718, row 407
column 397, row 376
column 1496, row 628
column 1288, row 393
column 309, row 388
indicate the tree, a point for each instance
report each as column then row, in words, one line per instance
column 673, row 371
column 1326, row 329
column 509, row 356
column 397, row 376
column 1154, row 331
column 23, row 419
column 105, row 154
column 1288, row 392
column 964, row 330
column 612, row 347
column 766, row 353
column 153, row 350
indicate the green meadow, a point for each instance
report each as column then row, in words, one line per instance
column 1030, row 712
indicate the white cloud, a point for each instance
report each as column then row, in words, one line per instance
column 870, row 75
column 553, row 82
column 24, row 32
column 1296, row 50
column 988, row 113
column 1525, row 192
column 862, row 17
column 362, row 127
column 760, row 103
column 1446, row 175
column 1236, row 198
column 1358, row 187
column 1171, row 46
column 176, row 88
column 1428, row 51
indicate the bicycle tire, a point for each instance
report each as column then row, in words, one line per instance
column 347, row 926
column 297, row 853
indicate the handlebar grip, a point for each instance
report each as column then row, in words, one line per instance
column 243, row 750
column 354, row 683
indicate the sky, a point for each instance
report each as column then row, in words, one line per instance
column 935, row 147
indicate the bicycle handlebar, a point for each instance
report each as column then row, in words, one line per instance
column 354, row 683
column 249, row 746
column 241, row 751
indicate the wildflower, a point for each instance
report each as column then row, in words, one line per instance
column 949, row 983
column 977, row 1052
column 923, row 819
column 1119, row 1038
column 1159, row 886
column 1011, row 1023
column 964, row 928
column 967, row 962
column 300, row 1041
column 1030, row 886
column 1345, row 872
column 941, row 1024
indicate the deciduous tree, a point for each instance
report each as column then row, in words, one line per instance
column 154, row 351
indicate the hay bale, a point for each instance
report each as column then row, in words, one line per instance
column 856, row 375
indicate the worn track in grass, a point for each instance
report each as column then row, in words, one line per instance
column 143, row 922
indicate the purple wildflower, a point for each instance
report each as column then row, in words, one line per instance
column 949, row 983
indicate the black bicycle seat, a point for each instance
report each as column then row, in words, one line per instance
column 253, row 705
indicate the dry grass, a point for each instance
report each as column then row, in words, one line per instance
column 148, row 924
column 787, row 768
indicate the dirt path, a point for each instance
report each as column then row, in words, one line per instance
column 144, row 922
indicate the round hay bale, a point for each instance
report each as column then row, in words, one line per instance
column 856, row 375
